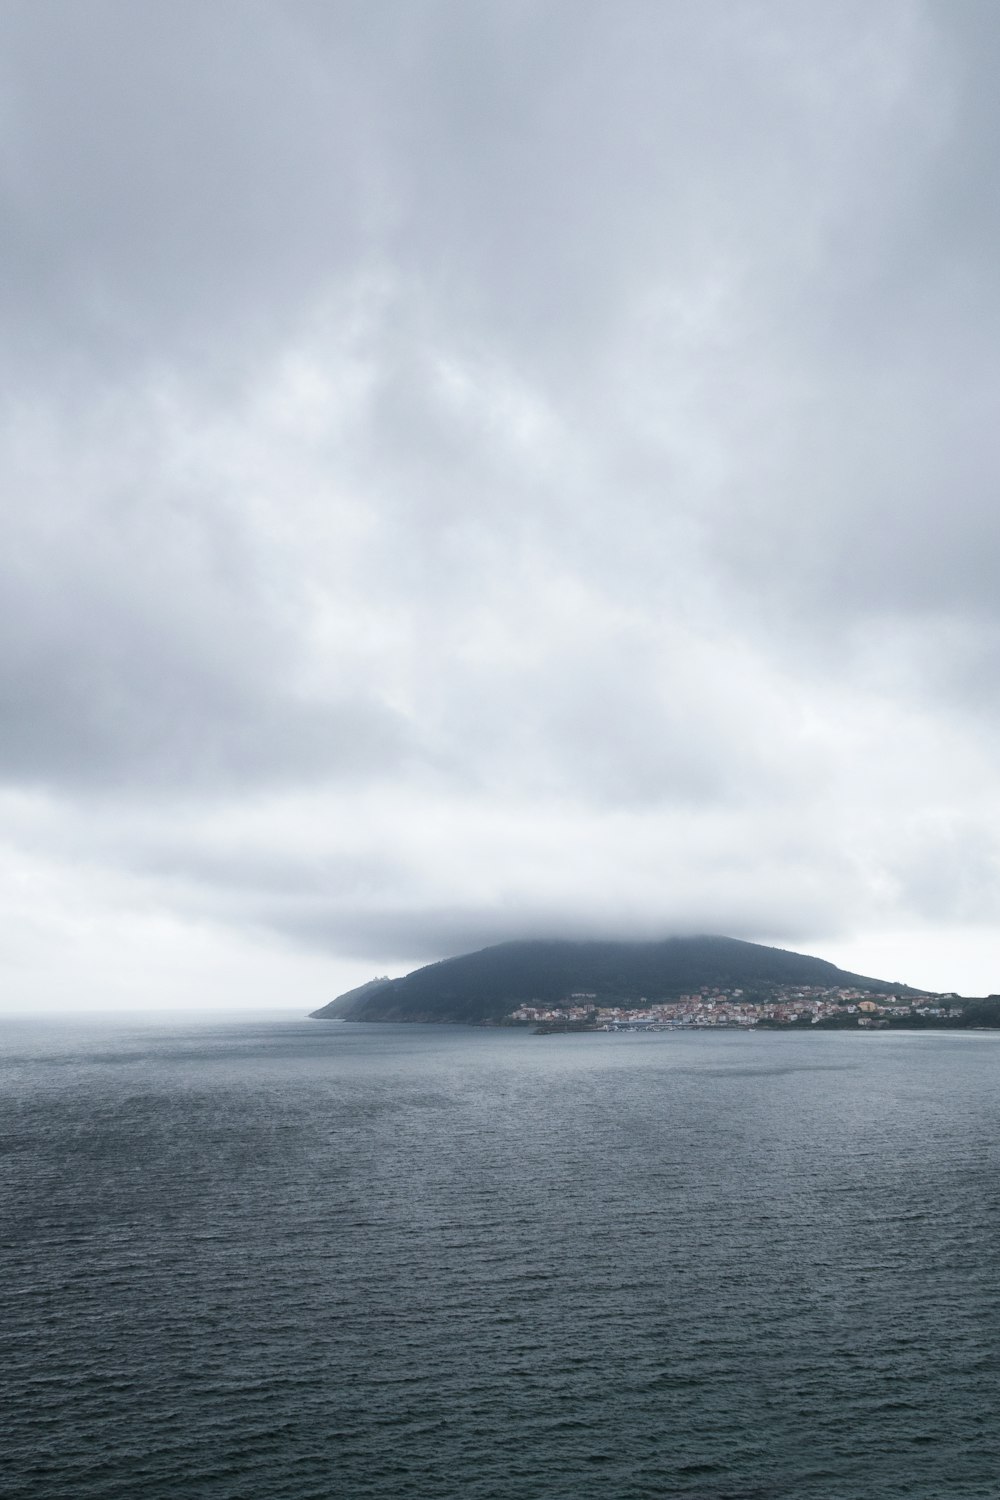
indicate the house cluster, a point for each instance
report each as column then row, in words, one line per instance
column 785, row 1005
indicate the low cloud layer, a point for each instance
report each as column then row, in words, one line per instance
column 472, row 472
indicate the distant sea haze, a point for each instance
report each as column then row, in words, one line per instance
column 295, row 1262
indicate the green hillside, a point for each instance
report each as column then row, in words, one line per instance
column 485, row 986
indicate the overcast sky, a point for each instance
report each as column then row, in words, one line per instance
column 476, row 470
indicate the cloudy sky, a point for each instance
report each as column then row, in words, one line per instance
column 483, row 470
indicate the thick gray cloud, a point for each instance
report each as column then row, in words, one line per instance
column 481, row 470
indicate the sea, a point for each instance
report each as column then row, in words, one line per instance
column 301, row 1260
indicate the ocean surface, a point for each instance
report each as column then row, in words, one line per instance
column 319, row 1261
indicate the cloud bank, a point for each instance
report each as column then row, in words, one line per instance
column 470, row 472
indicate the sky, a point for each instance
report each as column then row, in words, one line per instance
column 486, row 471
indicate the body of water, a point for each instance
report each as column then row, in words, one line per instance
column 320, row 1261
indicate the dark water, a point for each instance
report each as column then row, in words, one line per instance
column 319, row 1260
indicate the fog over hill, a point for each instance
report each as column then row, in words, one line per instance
column 473, row 472
column 486, row 986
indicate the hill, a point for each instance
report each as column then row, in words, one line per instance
column 486, row 986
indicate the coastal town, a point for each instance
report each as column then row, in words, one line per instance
column 783, row 1006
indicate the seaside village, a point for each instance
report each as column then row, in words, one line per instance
column 788, row 1006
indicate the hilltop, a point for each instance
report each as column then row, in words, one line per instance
column 485, row 986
